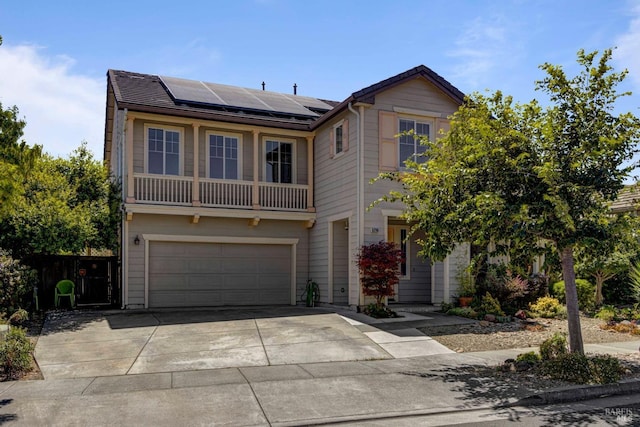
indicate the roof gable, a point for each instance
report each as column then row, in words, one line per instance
column 367, row 95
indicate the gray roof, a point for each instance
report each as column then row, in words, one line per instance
column 148, row 93
column 211, row 101
column 628, row 200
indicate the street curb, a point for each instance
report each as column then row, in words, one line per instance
column 579, row 393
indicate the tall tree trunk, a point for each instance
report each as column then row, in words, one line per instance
column 571, row 293
column 600, row 278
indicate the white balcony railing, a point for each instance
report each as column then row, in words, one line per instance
column 219, row 193
column 163, row 189
column 226, row 193
column 289, row 197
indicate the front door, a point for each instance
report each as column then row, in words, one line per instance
column 398, row 235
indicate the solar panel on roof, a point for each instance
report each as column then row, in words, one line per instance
column 238, row 97
column 281, row 102
column 190, row 91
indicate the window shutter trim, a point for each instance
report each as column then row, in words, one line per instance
column 345, row 135
column 388, row 145
column 332, row 137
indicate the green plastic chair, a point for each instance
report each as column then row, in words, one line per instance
column 65, row 288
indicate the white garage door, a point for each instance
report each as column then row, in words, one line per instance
column 215, row 274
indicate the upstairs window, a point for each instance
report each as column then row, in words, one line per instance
column 279, row 161
column 409, row 145
column 224, row 159
column 337, row 136
column 163, row 151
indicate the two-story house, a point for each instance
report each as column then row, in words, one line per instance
column 235, row 196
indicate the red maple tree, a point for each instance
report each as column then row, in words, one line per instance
column 379, row 264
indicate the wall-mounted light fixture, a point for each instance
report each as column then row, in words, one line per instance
column 136, row 241
column 346, row 225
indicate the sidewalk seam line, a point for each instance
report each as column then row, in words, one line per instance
column 255, row 396
column 264, row 348
column 88, row 385
column 155, row 329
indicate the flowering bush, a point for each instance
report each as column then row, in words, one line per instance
column 548, row 308
column 378, row 264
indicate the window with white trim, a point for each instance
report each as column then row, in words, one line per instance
column 279, row 161
column 163, row 150
column 223, row 156
column 337, row 138
column 409, row 141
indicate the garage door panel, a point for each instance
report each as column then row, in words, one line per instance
column 158, row 299
column 203, row 265
column 205, row 281
column 214, row 298
column 170, row 283
column 203, row 250
column 276, row 266
column 240, row 265
column 273, row 297
column 272, row 281
column 212, row 274
column 166, row 265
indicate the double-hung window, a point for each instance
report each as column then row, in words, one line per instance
column 224, row 159
column 163, row 151
column 278, row 161
column 337, row 136
column 409, row 141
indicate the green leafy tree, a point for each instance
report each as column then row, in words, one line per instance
column 527, row 177
column 611, row 255
column 66, row 206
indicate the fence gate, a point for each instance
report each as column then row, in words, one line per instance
column 96, row 278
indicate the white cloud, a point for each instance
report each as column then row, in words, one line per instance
column 480, row 48
column 627, row 53
column 61, row 108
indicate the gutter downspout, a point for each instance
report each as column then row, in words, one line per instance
column 124, row 229
column 359, row 188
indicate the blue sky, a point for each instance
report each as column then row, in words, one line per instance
column 55, row 54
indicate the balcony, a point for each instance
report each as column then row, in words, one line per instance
column 220, row 193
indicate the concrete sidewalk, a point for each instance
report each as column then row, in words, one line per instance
column 299, row 393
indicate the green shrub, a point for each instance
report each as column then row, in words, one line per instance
column 605, row 369
column 581, row 369
column 530, row 357
column 446, row 306
column 607, row 313
column 548, row 308
column 463, row 312
column 490, row 305
column 554, row 347
column 15, row 353
column 378, row 312
column 16, row 280
column 586, row 293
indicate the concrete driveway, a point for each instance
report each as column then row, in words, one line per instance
column 107, row 343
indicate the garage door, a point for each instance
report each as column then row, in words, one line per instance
column 215, row 274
